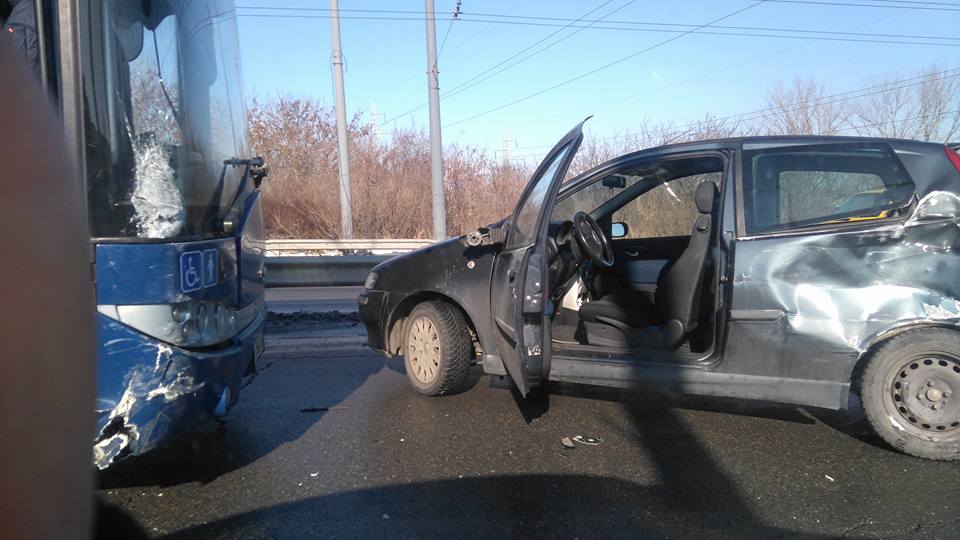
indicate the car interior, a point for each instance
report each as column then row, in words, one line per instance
column 631, row 264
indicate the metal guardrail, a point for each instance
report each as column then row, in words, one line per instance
column 284, row 247
column 320, row 271
column 329, row 263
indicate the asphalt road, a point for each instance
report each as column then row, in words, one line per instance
column 329, row 441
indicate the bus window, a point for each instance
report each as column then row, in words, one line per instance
column 163, row 112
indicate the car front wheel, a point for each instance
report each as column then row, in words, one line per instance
column 911, row 393
column 437, row 349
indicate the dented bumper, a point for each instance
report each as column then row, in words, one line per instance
column 373, row 308
column 149, row 391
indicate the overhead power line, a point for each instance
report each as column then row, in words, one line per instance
column 924, row 6
column 456, row 16
column 901, row 120
column 769, row 33
column 702, row 74
column 607, row 65
column 831, row 99
column 467, row 84
column 841, row 97
column 889, row 4
column 856, row 128
column 637, row 26
column 584, row 23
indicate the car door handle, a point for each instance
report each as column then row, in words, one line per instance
column 632, row 252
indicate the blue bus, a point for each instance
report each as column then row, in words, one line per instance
column 151, row 100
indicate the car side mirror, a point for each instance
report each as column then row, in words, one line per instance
column 486, row 236
column 618, row 230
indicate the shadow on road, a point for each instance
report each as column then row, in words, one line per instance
column 534, row 405
column 692, row 496
column 562, row 506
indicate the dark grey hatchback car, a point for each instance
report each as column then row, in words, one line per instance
column 783, row 269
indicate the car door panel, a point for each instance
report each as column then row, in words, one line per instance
column 806, row 301
column 519, row 306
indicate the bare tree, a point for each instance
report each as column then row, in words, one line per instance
column 884, row 113
column 927, row 110
column 390, row 181
column 801, row 109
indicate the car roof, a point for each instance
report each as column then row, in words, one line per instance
column 779, row 139
column 733, row 142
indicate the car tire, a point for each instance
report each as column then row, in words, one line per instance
column 437, row 349
column 910, row 392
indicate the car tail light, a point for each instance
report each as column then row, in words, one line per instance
column 953, row 156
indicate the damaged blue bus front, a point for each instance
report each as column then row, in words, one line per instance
column 151, row 97
column 179, row 327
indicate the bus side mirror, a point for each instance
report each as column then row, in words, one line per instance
column 259, row 173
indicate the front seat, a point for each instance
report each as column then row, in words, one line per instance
column 630, row 318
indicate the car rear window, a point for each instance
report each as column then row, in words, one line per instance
column 801, row 186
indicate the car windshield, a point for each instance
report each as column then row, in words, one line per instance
column 163, row 112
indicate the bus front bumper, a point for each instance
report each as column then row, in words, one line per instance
column 149, row 391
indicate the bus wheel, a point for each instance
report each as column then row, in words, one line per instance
column 911, row 393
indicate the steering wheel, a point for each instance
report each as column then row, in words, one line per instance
column 592, row 240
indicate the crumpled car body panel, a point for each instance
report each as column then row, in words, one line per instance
column 809, row 305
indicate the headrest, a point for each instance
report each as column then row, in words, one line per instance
column 706, row 195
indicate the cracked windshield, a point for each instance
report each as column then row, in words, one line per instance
column 485, row 269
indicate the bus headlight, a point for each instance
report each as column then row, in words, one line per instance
column 185, row 324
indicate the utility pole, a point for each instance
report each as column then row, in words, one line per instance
column 506, row 145
column 346, row 212
column 436, row 145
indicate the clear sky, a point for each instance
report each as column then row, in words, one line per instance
column 286, row 52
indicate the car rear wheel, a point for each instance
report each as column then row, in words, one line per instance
column 911, row 393
column 437, row 349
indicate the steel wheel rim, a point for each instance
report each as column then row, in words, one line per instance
column 423, row 350
column 922, row 391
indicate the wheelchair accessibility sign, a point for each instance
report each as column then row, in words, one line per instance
column 198, row 270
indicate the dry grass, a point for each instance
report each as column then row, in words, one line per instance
column 390, row 182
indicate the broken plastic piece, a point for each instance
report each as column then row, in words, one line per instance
column 589, row 441
column 567, row 443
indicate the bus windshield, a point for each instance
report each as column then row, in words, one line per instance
column 163, row 110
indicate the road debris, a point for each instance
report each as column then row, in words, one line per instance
column 567, row 443
column 828, row 477
column 589, row 441
column 323, row 409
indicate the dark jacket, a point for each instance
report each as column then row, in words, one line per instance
column 21, row 27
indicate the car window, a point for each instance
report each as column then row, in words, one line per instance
column 802, row 186
column 589, row 197
column 526, row 220
column 668, row 209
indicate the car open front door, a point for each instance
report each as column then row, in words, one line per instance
column 519, row 301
